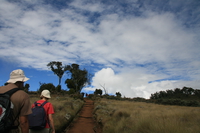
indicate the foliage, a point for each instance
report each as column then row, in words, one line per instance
column 139, row 99
column 185, row 97
column 71, row 91
column 58, row 88
column 91, row 96
column 26, row 88
column 185, row 92
column 98, row 92
column 77, row 96
column 48, row 86
column 79, row 78
column 57, row 68
column 118, row 94
column 180, row 102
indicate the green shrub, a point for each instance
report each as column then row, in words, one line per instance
column 179, row 102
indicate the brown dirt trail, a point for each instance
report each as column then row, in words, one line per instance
column 84, row 123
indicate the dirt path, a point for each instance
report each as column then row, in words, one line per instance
column 84, row 123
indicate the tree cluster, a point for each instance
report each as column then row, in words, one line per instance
column 184, row 93
column 77, row 78
column 185, row 97
column 98, row 92
column 118, row 94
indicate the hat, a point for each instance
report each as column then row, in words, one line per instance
column 17, row 75
column 46, row 93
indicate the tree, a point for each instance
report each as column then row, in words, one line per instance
column 118, row 94
column 57, row 68
column 48, row 86
column 104, row 88
column 26, row 87
column 197, row 93
column 177, row 91
column 188, row 90
column 162, row 94
column 170, row 93
column 98, row 91
column 79, row 78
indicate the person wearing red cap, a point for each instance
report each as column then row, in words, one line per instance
column 20, row 100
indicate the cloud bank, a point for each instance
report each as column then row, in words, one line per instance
column 132, row 47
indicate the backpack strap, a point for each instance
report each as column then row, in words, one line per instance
column 12, row 91
column 44, row 103
column 36, row 104
column 47, row 118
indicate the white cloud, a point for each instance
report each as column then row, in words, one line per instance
column 125, row 82
column 134, row 83
column 131, row 40
column 135, row 48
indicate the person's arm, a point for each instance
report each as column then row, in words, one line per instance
column 24, row 125
column 51, row 123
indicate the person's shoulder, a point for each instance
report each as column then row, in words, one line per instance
column 40, row 101
column 49, row 103
column 7, row 87
column 22, row 93
column 2, row 89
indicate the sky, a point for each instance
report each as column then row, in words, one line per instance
column 135, row 47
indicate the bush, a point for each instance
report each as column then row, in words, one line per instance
column 49, row 86
column 71, row 91
column 98, row 92
column 178, row 102
column 118, row 94
column 91, row 96
column 77, row 96
column 193, row 103
column 58, row 88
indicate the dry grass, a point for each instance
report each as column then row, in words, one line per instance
column 65, row 109
column 137, row 117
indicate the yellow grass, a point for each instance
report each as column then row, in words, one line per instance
column 65, row 109
column 138, row 117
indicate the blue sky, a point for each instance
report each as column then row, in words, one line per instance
column 131, row 46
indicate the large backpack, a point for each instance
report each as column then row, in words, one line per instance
column 38, row 118
column 6, row 111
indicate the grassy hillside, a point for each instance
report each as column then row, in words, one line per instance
column 138, row 117
column 117, row 116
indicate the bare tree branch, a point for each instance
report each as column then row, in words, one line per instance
column 103, row 88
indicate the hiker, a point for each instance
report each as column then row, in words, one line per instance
column 20, row 100
column 45, row 96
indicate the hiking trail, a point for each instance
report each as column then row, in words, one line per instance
column 84, row 123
